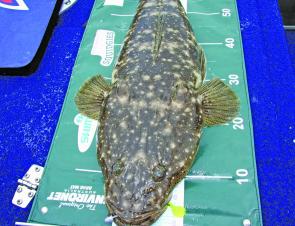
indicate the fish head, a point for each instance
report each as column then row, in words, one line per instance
column 137, row 193
column 142, row 167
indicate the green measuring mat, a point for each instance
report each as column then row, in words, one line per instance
column 221, row 188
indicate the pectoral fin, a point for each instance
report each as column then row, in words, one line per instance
column 219, row 103
column 89, row 99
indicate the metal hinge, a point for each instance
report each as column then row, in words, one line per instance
column 27, row 187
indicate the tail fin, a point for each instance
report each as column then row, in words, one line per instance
column 219, row 103
column 91, row 95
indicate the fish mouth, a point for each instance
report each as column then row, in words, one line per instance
column 138, row 218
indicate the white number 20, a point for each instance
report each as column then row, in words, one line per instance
column 238, row 123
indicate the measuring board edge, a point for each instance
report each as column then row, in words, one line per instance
column 58, row 122
column 249, row 112
column 250, row 122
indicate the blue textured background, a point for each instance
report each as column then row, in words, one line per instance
column 30, row 107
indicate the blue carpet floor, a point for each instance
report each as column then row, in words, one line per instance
column 30, row 107
column 290, row 35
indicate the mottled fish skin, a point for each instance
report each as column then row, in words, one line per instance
column 151, row 123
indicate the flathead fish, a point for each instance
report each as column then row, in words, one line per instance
column 151, row 116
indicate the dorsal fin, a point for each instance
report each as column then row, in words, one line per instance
column 219, row 103
column 158, row 36
column 90, row 97
column 159, row 33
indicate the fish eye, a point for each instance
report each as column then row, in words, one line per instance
column 122, row 90
column 118, row 167
column 159, row 172
column 149, row 188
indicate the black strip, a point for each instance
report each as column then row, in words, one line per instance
column 288, row 12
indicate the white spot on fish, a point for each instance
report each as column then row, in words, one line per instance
column 157, row 77
column 146, row 78
column 126, row 204
column 172, row 145
column 123, row 125
column 150, row 94
column 167, row 130
column 140, row 155
column 181, row 164
column 129, row 177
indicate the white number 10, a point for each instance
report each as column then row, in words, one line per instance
column 242, row 173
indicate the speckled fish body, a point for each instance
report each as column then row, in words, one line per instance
column 152, row 115
column 150, row 127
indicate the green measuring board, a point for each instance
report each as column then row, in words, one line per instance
column 221, row 188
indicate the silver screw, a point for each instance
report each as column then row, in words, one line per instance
column 37, row 169
column 27, row 175
column 19, row 202
column 44, row 209
column 247, row 222
column 19, row 190
column 37, row 180
column 31, row 194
